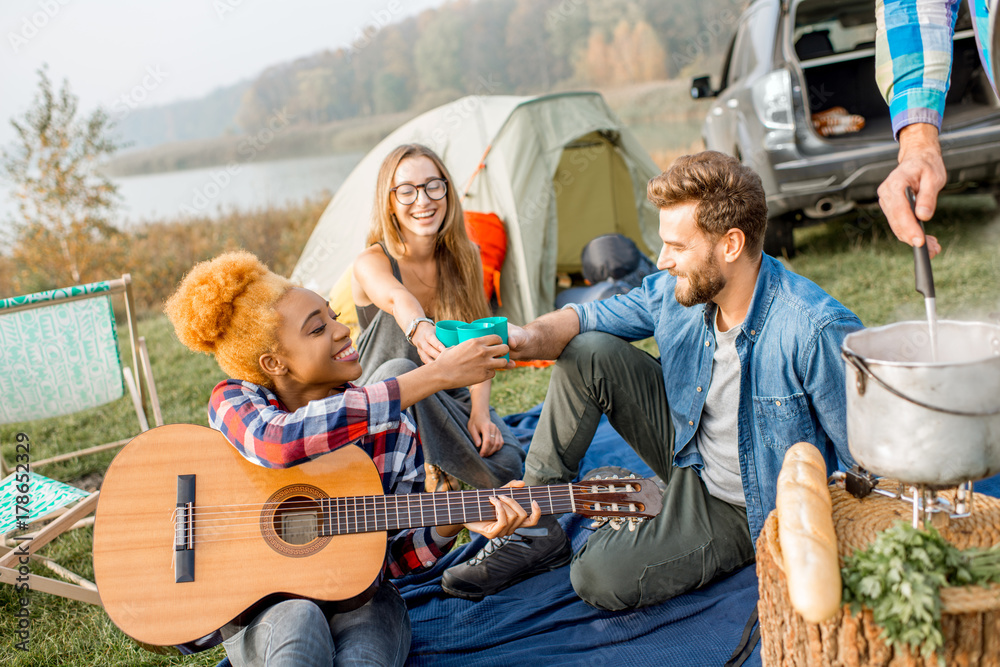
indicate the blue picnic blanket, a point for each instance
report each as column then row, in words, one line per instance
column 542, row 621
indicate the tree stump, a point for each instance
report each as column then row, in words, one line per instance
column 970, row 616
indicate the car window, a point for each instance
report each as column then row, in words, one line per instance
column 842, row 38
column 823, row 28
column 724, row 78
column 754, row 40
column 739, row 65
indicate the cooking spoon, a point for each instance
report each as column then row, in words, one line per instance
column 924, row 277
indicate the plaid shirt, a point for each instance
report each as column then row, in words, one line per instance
column 913, row 54
column 253, row 419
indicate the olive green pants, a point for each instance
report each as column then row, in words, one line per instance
column 695, row 538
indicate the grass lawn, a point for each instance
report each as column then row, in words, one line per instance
column 852, row 257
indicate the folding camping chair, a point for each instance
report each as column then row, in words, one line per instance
column 58, row 356
column 65, row 507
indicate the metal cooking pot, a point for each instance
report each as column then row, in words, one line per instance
column 922, row 421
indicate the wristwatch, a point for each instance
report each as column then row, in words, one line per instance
column 412, row 329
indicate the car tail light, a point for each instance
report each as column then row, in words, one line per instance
column 772, row 100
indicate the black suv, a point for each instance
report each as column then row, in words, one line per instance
column 793, row 59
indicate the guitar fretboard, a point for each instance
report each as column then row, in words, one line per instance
column 365, row 514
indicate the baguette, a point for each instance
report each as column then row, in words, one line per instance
column 805, row 532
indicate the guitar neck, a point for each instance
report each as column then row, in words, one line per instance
column 365, row 514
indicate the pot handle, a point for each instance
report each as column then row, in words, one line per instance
column 860, row 365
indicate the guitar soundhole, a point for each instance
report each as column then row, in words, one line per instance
column 297, row 520
column 292, row 521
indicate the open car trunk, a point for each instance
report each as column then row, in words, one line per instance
column 840, row 72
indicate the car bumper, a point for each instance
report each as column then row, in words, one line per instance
column 838, row 180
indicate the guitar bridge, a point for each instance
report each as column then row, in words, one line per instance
column 184, row 530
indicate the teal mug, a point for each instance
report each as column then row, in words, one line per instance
column 474, row 330
column 499, row 325
column 447, row 331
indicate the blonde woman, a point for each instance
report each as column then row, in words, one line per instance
column 420, row 266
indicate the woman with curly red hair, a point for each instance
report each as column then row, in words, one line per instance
column 291, row 399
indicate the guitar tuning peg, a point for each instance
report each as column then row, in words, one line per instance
column 616, row 523
column 633, row 523
column 598, row 522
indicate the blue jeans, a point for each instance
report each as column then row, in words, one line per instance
column 296, row 633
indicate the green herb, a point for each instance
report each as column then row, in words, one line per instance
column 900, row 575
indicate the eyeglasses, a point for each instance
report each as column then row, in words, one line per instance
column 435, row 189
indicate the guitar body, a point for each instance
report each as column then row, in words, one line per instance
column 135, row 530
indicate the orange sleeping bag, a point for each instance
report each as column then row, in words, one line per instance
column 487, row 231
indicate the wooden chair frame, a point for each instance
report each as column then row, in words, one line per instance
column 12, row 556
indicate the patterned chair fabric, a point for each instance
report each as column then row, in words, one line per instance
column 47, row 495
column 58, row 359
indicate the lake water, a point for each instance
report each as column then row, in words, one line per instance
column 207, row 191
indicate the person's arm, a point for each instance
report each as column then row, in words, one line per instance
column 463, row 365
column 373, row 275
column 921, row 168
column 272, row 437
column 627, row 316
column 249, row 417
column 913, row 54
column 544, row 338
column 485, row 434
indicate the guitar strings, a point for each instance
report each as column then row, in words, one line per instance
column 230, row 532
column 474, row 496
column 251, row 530
column 408, row 502
column 419, row 497
column 364, row 514
column 223, row 523
column 227, row 532
column 362, row 511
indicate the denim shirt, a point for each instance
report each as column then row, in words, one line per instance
column 791, row 374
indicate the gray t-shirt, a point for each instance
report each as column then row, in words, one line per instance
column 718, row 432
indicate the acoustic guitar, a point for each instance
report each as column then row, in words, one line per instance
column 189, row 534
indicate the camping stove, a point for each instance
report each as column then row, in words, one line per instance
column 927, row 504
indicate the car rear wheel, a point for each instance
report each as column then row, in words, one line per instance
column 778, row 239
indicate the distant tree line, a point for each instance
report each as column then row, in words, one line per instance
column 492, row 47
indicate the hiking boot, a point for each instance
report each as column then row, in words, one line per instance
column 504, row 561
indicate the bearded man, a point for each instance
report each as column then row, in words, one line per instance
column 749, row 365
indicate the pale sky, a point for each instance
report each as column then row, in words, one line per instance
column 171, row 49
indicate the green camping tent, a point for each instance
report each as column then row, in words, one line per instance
column 558, row 169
